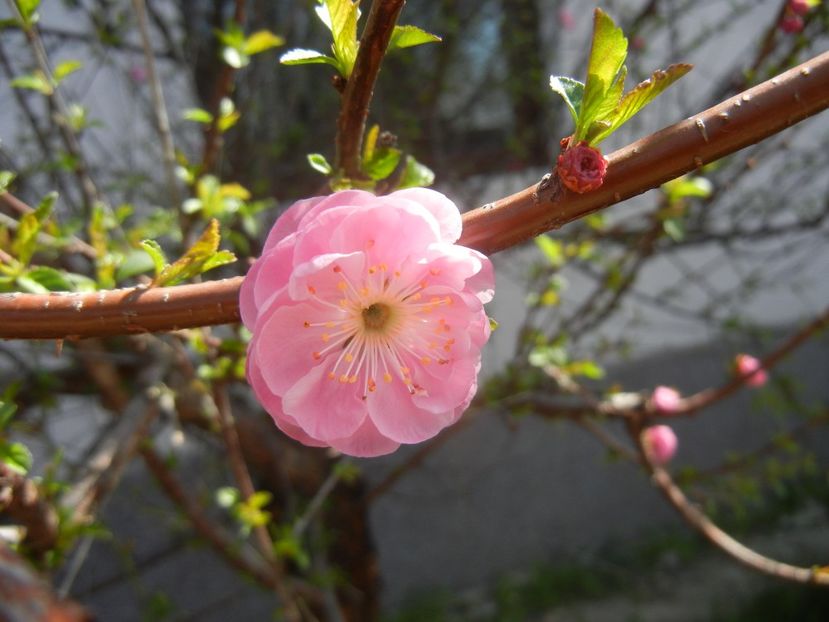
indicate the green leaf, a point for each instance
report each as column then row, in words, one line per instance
column 193, row 262
column 134, row 263
column 382, row 163
column 27, row 9
column 551, row 248
column 220, row 258
column 260, row 41
column 36, row 81
column 307, row 57
column 25, row 239
column 65, row 68
column 409, row 36
column 416, row 175
column 686, row 187
column 343, row 15
column 607, row 55
column 156, row 253
column 640, row 96
column 198, row 115
column 16, row 456
column 571, row 91
column 319, row 163
column 588, row 369
column 674, row 228
column 7, row 411
column 51, row 279
column 227, row 497
column 6, row 179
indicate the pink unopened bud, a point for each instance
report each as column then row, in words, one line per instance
column 137, row 74
column 581, row 167
column 747, row 365
column 565, row 18
column 799, row 7
column 791, row 23
column 665, row 400
column 660, row 443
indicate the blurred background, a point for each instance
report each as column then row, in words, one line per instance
column 509, row 515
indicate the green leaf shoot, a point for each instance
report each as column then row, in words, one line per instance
column 156, row 253
column 600, row 106
column 199, row 258
column 23, row 245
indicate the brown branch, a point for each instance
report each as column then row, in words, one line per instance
column 728, row 127
column 359, row 88
column 719, row 538
column 243, row 479
column 221, row 543
column 22, row 501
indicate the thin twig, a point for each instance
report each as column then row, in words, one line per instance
column 703, row 399
column 60, row 111
column 159, row 107
column 719, row 538
column 736, row 123
column 314, row 506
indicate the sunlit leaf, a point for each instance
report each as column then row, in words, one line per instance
column 198, row 258
column 571, row 91
column 607, row 55
column 23, row 246
column 65, row 68
column 260, row 41
column 235, row 57
column 640, row 96
column 551, row 249
column 319, row 163
column 36, row 81
column 416, row 175
column 343, row 15
column 156, row 253
column 306, row 57
column 197, row 115
column 50, row 278
column 409, row 36
column 6, row 179
column 16, row 457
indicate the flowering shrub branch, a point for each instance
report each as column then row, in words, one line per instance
column 738, row 122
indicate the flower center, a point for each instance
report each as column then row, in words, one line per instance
column 380, row 326
column 376, row 316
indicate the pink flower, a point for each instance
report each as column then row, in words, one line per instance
column 367, row 320
column 660, row 443
column 791, row 24
column 581, row 167
column 800, row 7
column 665, row 400
column 745, row 365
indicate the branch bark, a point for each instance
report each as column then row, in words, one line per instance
column 736, row 123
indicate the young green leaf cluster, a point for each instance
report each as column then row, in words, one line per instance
column 340, row 17
column 599, row 106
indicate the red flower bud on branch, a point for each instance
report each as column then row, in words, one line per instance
column 582, row 168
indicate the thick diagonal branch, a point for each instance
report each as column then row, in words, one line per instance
column 724, row 129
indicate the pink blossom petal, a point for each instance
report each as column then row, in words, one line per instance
column 444, row 210
column 325, row 408
column 397, row 417
column 283, row 346
column 273, row 405
column 366, row 442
